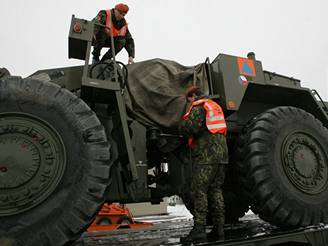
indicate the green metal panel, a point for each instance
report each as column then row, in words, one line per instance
column 281, row 80
column 259, row 98
column 81, row 31
column 231, row 80
column 66, row 77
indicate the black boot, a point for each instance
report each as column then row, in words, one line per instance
column 217, row 232
column 197, row 233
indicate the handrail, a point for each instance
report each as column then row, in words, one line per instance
column 315, row 93
column 210, row 81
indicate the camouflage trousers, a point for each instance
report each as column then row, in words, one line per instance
column 205, row 194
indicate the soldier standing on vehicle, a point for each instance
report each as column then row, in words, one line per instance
column 117, row 26
column 205, row 126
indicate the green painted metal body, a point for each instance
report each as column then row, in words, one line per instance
column 261, row 92
column 149, row 163
column 243, row 94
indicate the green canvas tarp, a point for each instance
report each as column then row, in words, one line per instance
column 154, row 93
column 155, row 90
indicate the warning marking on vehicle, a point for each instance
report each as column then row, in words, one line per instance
column 246, row 66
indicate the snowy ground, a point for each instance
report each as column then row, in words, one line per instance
column 166, row 230
column 178, row 212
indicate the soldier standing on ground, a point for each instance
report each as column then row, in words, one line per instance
column 205, row 126
column 118, row 27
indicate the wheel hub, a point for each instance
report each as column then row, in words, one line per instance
column 32, row 162
column 305, row 163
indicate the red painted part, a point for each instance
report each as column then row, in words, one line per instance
column 115, row 216
column 77, row 27
column 95, row 228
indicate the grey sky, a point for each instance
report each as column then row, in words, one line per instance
column 290, row 37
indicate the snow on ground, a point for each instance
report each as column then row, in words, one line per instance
column 178, row 212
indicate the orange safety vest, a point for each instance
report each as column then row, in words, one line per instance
column 215, row 121
column 114, row 31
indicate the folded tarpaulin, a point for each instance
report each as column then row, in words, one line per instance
column 155, row 90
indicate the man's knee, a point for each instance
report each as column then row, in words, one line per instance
column 120, row 41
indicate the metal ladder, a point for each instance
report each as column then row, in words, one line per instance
column 316, row 94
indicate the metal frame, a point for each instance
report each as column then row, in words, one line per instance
column 119, row 92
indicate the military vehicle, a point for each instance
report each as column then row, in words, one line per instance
column 72, row 138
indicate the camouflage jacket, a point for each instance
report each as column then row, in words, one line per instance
column 101, row 19
column 209, row 148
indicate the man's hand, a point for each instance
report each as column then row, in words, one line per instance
column 130, row 61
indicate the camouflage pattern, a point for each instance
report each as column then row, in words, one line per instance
column 209, row 156
column 206, row 194
column 209, row 148
column 101, row 37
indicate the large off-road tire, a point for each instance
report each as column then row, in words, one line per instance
column 54, row 160
column 283, row 167
column 235, row 206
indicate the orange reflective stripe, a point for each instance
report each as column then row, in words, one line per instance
column 114, row 31
column 212, row 118
column 215, row 121
column 209, row 110
column 216, row 125
column 200, row 101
